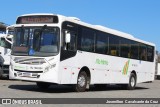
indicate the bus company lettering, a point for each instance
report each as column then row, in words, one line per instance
column 101, row 62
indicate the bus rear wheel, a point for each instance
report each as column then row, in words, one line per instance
column 43, row 85
column 132, row 82
column 81, row 82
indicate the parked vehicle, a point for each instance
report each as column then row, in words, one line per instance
column 5, row 52
column 51, row 48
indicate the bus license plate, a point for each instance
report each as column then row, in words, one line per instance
column 26, row 74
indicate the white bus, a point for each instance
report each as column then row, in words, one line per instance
column 50, row 48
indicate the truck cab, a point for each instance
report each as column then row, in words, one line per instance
column 5, row 51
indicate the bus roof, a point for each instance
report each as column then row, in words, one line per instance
column 97, row 27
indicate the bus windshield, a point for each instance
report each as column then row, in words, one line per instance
column 36, row 41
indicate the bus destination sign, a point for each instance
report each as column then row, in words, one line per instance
column 37, row 19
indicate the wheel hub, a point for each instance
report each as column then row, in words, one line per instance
column 81, row 81
column 132, row 81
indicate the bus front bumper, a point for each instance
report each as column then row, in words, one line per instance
column 50, row 76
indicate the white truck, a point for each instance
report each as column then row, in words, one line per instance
column 5, row 51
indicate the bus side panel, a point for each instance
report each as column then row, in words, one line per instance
column 66, row 74
column 105, row 69
column 69, row 71
column 150, row 72
column 145, row 71
column 115, row 67
column 98, row 71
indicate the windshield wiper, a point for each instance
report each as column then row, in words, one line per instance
column 43, row 28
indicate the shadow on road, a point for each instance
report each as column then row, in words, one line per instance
column 68, row 89
column 51, row 89
column 116, row 87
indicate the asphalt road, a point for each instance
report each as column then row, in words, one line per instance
column 21, row 89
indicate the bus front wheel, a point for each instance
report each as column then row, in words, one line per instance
column 81, row 82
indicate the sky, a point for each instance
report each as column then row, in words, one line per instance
column 140, row 18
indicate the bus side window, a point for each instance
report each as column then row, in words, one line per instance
column 134, row 50
column 143, row 52
column 72, row 29
column 72, row 45
column 125, row 48
column 101, row 43
column 87, row 40
column 150, row 53
column 114, row 45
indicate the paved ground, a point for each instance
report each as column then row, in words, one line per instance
column 20, row 89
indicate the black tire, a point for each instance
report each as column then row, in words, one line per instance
column 132, row 82
column 43, row 85
column 158, row 77
column 81, row 82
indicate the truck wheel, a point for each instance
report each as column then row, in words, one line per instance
column 43, row 85
column 132, row 82
column 81, row 82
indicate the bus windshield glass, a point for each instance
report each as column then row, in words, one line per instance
column 36, row 41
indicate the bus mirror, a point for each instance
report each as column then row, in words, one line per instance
column 67, row 37
column 9, row 41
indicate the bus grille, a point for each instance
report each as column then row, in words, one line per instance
column 28, row 71
column 32, row 61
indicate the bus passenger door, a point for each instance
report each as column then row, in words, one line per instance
column 67, row 55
